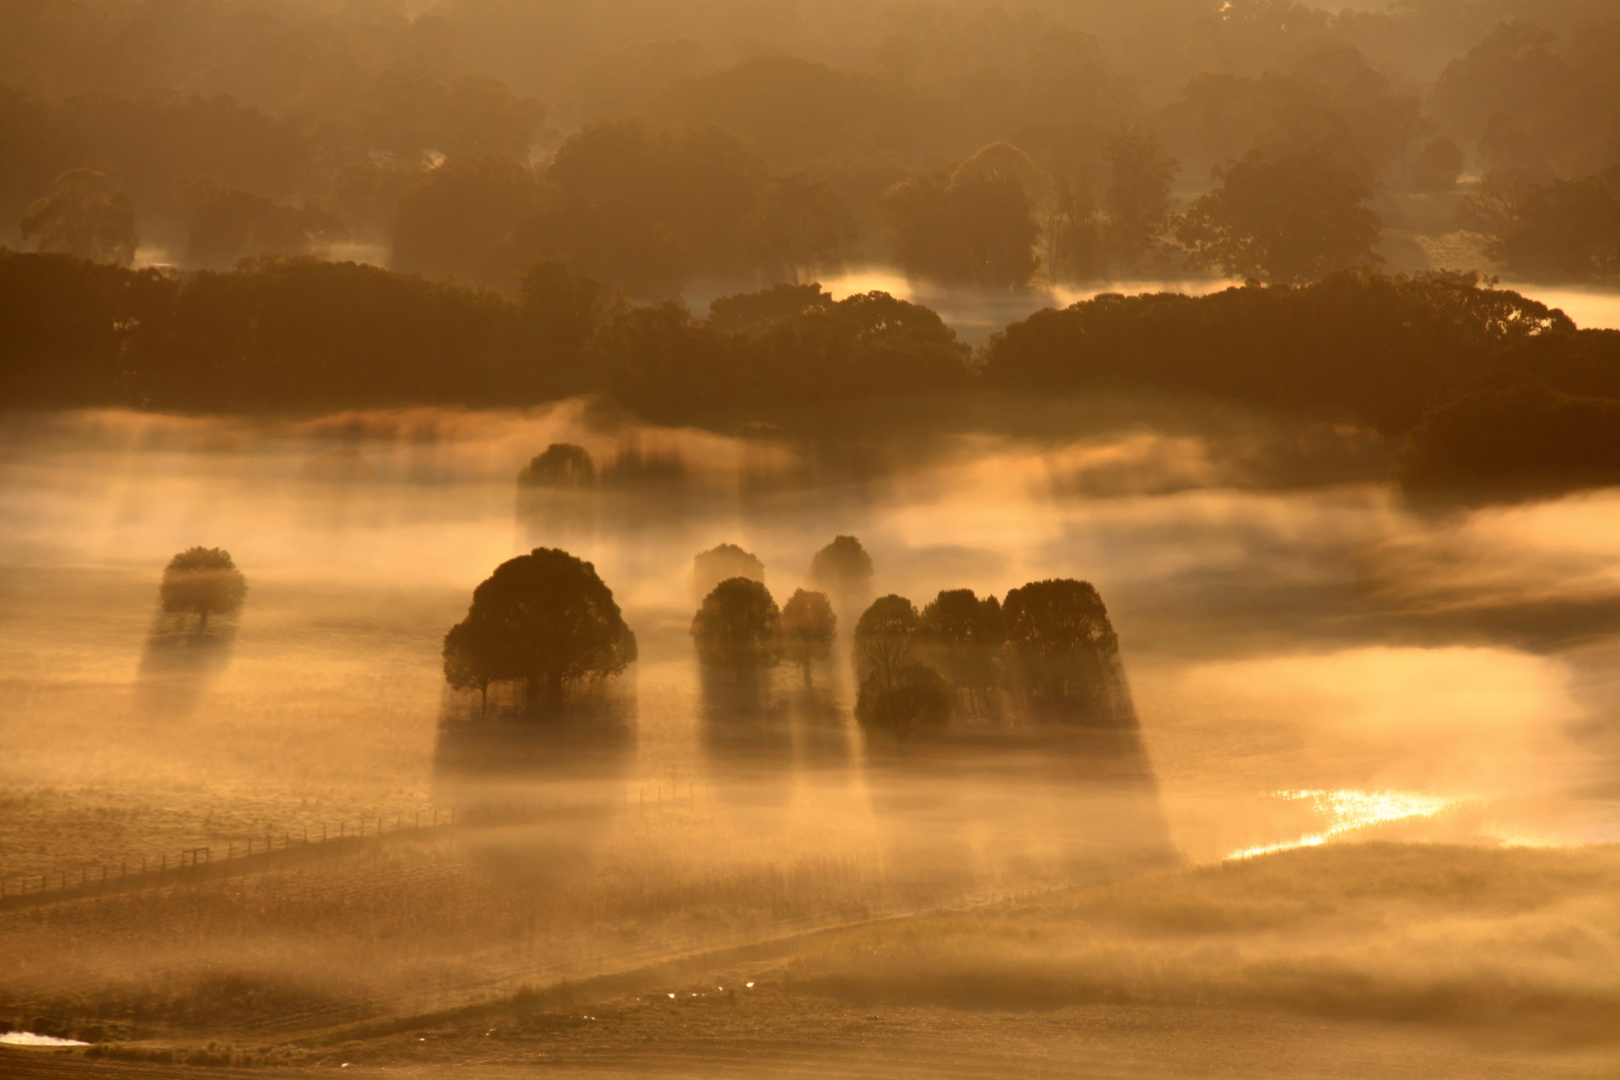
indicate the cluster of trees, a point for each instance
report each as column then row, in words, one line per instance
column 299, row 334
column 1049, row 646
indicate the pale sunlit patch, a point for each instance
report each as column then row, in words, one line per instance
column 1348, row 810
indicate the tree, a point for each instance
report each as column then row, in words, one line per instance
column 1511, row 444
column 1137, row 197
column 202, row 581
column 964, row 635
column 561, row 307
column 562, row 465
column 808, row 626
column 1062, row 644
column 85, row 215
column 842, row 569
column 545, row 618
column 1291, row 220
column 974, row 227
column 883, row 639
column 738, row 628
column 913, row 695
column 803, row 227
column 753, row 313
column 228, row 224
column 1567, row 230
column 613, row 241
column 722, row 563
column 473, row 658
column 454, row 219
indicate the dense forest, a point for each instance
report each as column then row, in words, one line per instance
column 965, row 142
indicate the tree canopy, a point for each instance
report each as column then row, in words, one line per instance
column 560, row 465
column 738, row 628
column 721, row 563
column 1062, row 646
column 1294, row 219
column 202, row 581
column 544, row 618
column 842, row 568
column 808, row 627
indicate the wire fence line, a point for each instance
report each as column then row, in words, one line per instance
column 285, row 848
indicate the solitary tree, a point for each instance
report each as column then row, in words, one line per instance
column 1062, row 644
column 808, row 625
column 842, row 569
column 545, row 618
column 722, row 563
column 563, row 465
column 202, row 581
column 738, row 627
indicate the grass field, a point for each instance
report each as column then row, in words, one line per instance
column 1347, row 960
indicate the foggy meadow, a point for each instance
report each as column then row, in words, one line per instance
column 874, row 540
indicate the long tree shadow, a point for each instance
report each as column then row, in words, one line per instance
column 746, row 736
column 1033, row 796
column 180, row 660
column 537, row 794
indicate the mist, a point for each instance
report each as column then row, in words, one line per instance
column 647, row 538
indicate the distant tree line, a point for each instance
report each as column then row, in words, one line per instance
column 1357, row 347
column 969, row 147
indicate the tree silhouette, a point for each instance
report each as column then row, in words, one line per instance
column 562, row 465
column 545, row 618
column 1062, row 644
column 963, row 635
column 1137, row 198
column 803, row 226
column 842, row 569
column 453, row 220
column 85, row 215
column 202, row 581
column 473, row 658
column 912, row 695
column 738, row 628
column 228, row 224
column 1291, row 220
column 722, row 563
column 1567, row 230
column 561, row 307
column 976, row 226
column 883, row 639
column 808, row 626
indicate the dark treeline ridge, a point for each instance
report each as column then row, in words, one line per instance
column 303, row 335
column 650, row 143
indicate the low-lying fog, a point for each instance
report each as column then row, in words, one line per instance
column 1304, row 661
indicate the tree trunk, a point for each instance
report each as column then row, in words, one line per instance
column 203, row 623
column 483, row 700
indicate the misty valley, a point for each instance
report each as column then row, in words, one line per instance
column 870, row 539
column 1260, row 671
